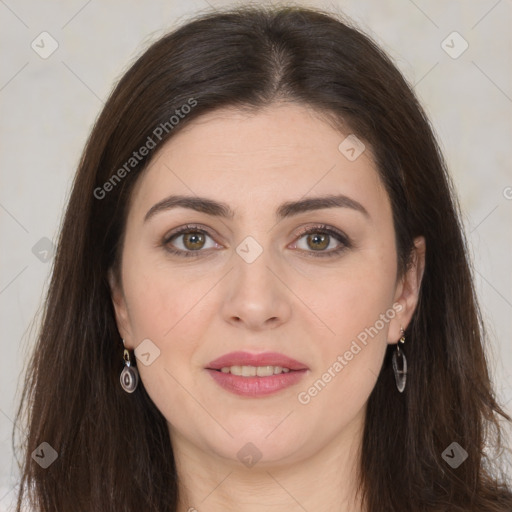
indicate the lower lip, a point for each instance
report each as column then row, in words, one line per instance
column 256, row 386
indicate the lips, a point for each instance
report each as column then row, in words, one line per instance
column 248, row 359
column 252, row 386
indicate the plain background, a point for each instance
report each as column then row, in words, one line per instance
column 49, row 106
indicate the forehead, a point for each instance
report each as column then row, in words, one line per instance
column 258, row 159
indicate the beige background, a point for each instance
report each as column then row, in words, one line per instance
column 49, row 105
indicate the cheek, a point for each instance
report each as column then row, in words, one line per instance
column 167, row 308
column 350, row 360
column 351, row 298
column 165, row 314
column 159, row 297
column 356, row 308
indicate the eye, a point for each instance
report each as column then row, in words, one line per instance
column 193, row 239
column 319, row 238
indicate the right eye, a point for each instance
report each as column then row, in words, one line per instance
column 193, row 239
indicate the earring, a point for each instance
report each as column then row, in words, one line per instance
column 129, row 376
column 400, row 375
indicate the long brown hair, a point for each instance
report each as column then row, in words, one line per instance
column 114, row 450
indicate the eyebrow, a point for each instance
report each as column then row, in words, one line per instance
column 287, row 209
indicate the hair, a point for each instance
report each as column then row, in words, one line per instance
column 114, row 449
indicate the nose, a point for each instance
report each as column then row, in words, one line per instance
column 256, row 296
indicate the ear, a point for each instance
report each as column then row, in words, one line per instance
column 407, row 291
column 120, row 308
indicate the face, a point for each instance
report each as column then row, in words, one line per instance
column 196, row 285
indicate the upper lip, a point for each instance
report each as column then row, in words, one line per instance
column 263, row 359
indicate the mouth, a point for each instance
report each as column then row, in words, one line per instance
column 253, row 371
column 256, row 375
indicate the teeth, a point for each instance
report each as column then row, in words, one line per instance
column 252, row 371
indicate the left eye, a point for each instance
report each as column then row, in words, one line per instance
column 318, row 240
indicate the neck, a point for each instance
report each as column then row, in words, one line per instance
column 324, row 481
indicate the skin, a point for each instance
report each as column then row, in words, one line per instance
column 198, row 308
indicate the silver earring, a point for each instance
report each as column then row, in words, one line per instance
column 129, row 376
column 398, row 355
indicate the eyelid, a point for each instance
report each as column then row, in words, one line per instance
column 185, row 229
column 321, row 227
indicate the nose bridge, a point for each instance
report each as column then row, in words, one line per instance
column 255, row 295
column 252, row 262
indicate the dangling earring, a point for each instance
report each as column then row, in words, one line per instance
column 400, row 375
column 129, row 376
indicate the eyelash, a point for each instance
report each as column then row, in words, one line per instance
column 321, row 228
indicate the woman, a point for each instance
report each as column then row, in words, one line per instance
column 261, row 297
